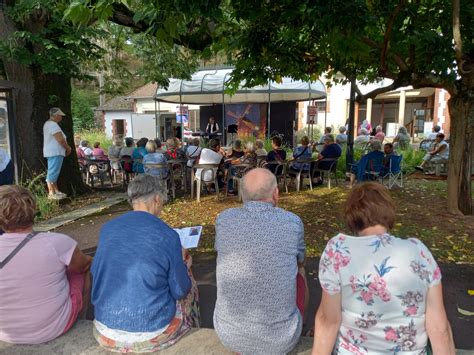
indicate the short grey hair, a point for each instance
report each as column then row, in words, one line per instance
column 144, row 187
column 84, row 143
column 150, row 146
column 378, row 128
column 250, row 147
column 376, row 144
column 259, row 144
column 342, row 129
column 363, row 131
column 260, row 189
column 402, row 130
column 329, row 138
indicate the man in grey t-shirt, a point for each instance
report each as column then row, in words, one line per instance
column 261, row 288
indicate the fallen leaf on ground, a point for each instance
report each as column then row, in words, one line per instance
column 470, row 292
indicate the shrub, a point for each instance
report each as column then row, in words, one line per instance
column 82, row 113
column 46, row 207
column 95, row 135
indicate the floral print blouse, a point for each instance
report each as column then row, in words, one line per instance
column 383, row 281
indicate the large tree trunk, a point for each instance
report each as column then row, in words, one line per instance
column 34, row 94
column 461, row 110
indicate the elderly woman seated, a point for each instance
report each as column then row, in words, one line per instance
column 369, row 162
column 260, row 148
column 402, row 139
column 341, row 138
column 381, row 294
column 44, row 280
column 249, row 159
column 144, row 295
column 302, row 151
column 379, row 135
column 363, row 138
column 154, row 157
column 438, row 155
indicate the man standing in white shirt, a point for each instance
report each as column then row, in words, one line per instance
column 55, row 148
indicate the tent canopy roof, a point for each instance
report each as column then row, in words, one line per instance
column 207, row 87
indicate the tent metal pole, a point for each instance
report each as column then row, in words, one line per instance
column 223, row 129
column 159, row 121
column 269, row 109
column 325, row 110
column 307, row 115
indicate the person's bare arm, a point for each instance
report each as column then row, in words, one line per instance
column 60, row 139
column 437, row 324
column 327, row 323
column 438, row 150
column 80, row 262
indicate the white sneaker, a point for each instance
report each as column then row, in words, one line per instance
column 61, row 194
column 54, row 197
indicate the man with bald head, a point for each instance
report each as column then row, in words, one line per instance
column 261, row 288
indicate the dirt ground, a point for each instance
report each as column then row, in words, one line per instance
column 420, row 214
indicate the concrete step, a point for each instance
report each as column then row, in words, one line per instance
column 79, row 341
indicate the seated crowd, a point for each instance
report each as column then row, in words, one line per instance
column 380, row 293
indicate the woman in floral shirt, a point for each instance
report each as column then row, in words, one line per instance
column 381, row 294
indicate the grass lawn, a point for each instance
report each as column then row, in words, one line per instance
column 420, row 214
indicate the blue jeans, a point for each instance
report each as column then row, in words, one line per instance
column 7, row 176
column 54, row 168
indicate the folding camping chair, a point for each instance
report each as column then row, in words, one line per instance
column 394, row 175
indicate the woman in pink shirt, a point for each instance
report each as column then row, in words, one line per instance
column 98, row 153
column 43, row 282
column 379, row 135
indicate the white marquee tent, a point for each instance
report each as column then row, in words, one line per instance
column 208, row 87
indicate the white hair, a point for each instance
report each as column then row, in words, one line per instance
column 250, row 147
column 342, row 129
column 364, row 132
column 378, row 128
column 144, row 187
column 258, row 189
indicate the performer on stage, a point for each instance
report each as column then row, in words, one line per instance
column 212, row 128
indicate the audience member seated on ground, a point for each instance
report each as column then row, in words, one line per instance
column 153, row 157
column 114, row 153
column 261, row 286
column 249, row 158
column 145, row 298
column 236, row 151
column 44, row 285
column 173, row 150
column 260, row 149
column 211, row 155
column 365, row 163
column 439, row 154
column 7, row 170
column 434, row 132
column 364, row 125
column 302, row 151
column 86, row 150
column 402, row 139
column 276, row 154
column 331, row 150
column 363, row 138
column 381, row 294
column 379, row 135
column 138, row 153
column 98, row 153
column 341, row 138
column 127, row 151
column 193, row 151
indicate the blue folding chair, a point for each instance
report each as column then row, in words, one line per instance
column 394, row 175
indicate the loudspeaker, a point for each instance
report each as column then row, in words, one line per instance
column 233, row 128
